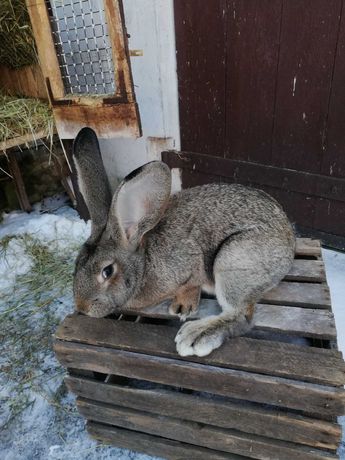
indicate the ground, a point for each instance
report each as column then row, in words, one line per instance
column 38, row 419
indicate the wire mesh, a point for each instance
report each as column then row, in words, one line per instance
column 82, row 45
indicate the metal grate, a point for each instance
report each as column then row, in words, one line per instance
column 82, row 45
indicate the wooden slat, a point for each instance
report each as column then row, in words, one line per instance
column 23, row 140
column 45, row 45
column 277, row 181
column 220, row 412
column 250, row 78
column 204, row 435
column 265, row 357
column 333, row 160
column 302, row 322
column 237, row 384
column 307, row 270
column 308, row 247
column 205, row 85
column 154, row 445
column 25, row 81
column 113, row 120
column 308, row 41
column 301, row 294
column 19, row 183
column 119, row 48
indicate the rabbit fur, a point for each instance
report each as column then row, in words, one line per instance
column 147, row 246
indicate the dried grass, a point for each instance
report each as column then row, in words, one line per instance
column 29, row 313
column 20, row 116
column 17, row 45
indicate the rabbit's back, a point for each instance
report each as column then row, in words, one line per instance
column 214, row 211
column 198, row 220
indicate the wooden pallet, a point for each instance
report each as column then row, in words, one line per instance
column 263, row 396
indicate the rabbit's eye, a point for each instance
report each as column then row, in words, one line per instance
column 107, row 271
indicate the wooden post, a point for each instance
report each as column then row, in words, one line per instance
column 18, row 182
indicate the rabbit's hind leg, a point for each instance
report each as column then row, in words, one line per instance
column 243, row 271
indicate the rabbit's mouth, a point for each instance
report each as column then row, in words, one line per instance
column 95, row 308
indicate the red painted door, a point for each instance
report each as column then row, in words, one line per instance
column 262, row 102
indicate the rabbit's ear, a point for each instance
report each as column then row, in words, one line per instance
column 92, row 179
column 140, row 202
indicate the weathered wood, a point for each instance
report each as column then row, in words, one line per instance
column 205, row 87
column 307, row 270
column 154, row 445
column 302, row 322
column 264, row 357
column 23, row 140
column 300, row 294
column 118, row 37
column 204, row 435
column 19, row 183
column 333, row 160
column 245, row 417
column 45, row 45
column 25, row 81
column 255, row 175
column 113, row 120
column 279, row 93
column 250, row 77
column 201, row 377
column 309, row 34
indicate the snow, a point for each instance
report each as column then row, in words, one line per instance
column 37, row 414
column 335, row 272
column 38, row 419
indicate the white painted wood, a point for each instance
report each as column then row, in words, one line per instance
column 150, row 24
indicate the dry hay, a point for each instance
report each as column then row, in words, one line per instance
column 17, row 45
column 22, row 116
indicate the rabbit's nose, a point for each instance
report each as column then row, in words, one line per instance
column 82, row 305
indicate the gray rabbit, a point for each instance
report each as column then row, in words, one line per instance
column 147, row 246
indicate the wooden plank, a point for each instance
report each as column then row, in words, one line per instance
column 333, row 161
column 237, row 384
column 301, row 322
column 258, row 175
column 25, row 81
column 203, row 435
column 307, row 270
column 201, row 67
column 216, row 411
column 113, row 120
column 154, row 445
column 307, row 48
column 23, row 140
column 251, row 73
column 302, row 363
column 45, row 46
column 19, row 183
column 119, row 48
column 301, row 294
column 329, row 214
column 308, row 247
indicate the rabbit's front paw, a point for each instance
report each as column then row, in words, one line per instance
column 186, row 302
column 198, row 338
column 182, row 310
